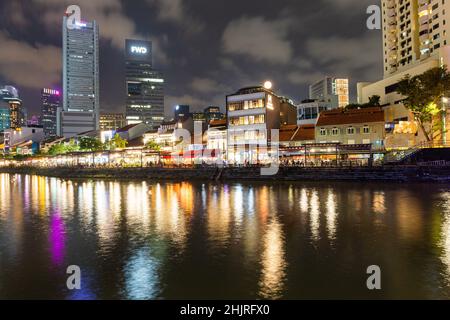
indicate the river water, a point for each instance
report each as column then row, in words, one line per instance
column 193, row 240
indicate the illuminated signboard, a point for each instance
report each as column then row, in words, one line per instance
column 139, row 50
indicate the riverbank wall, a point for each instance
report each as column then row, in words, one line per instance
column 386, row 173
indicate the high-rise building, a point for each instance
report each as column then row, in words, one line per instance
column 81, row 102
column 112, row 121
column 51, row 100
column 331, row 90
column 416, row 38
column 10, row 96
column 4, row 116
column 144, row 85
column 414, row 30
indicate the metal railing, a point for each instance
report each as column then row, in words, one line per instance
column 401, row 155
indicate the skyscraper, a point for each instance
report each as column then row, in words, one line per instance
column 10, row 96
column 81, row 103
column 331, row 90
column 144, row 85
column 51, row 100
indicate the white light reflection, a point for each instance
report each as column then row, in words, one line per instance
column 141, row 276
column 273, row 262
column 331, row 215
column 314, row 215
column 445, row 235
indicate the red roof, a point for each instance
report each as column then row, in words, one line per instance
column 297, row 133
column 342, row 116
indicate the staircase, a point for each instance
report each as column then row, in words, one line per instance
column 401, row 156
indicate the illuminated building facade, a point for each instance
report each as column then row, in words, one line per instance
column 81, row 98
column 112, row 121
column 416, row 38
column 251, row 115
column 4, row 116
column 331, row 90
column 51, row 100
column 144, row 85
column 10, row 97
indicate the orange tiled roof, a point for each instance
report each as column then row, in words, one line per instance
column 297, row 133
column 340, row 116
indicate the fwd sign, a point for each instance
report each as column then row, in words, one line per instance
column 139, row 50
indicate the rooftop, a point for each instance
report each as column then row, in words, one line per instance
column 126, row 128
column 341, row 116
column 297, row 133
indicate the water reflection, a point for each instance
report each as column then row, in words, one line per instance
column 314, row 215
column 141, row 276
column 142, row 240
column 273, row 262
column 57, row 239
column 445, row 234
column 331, row 214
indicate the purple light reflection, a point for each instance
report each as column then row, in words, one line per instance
column 57, row 239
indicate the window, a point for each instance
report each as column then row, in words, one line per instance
column 350, row 130
column 335, row 131
column 351, row 142
column 323, row 132
column 366, row 130
column 366, row 141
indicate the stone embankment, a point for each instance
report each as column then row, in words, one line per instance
column 387, row 173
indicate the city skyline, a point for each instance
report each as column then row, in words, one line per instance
column 201, row 68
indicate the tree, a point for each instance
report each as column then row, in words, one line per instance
column 424, row 95
column 72, row 146
column 90, row 144
column 374, row 101
column 57, row 149
column 117, row 142
column 152, row 145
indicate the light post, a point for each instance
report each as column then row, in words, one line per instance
column 445, row 101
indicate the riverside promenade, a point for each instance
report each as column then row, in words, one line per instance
column 401, row 174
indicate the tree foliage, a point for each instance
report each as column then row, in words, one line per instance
column 117, row 143
column 424, row 94
column 374, row 101
column 90, row 144
column 152, row 145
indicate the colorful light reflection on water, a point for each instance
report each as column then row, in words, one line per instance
column 147, row 240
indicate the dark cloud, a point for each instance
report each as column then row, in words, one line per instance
column 206, row 49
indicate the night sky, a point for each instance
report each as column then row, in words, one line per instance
column 206, row 48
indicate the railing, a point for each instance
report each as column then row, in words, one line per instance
column 401, row 155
